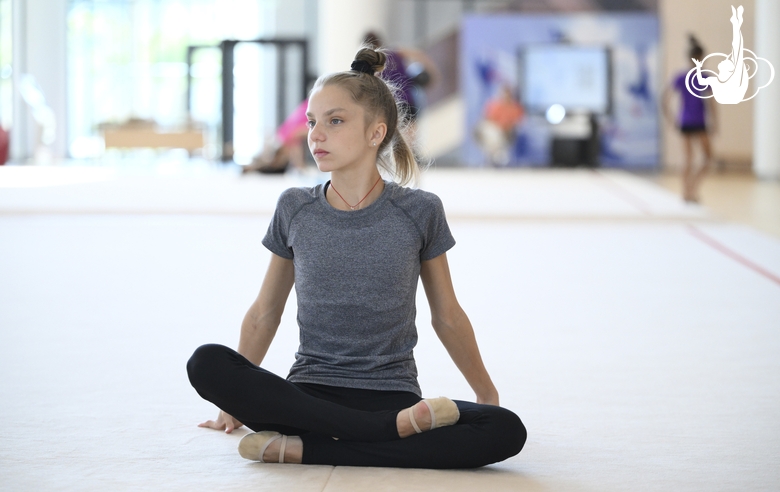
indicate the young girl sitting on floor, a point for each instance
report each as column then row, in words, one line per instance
column 354, row 248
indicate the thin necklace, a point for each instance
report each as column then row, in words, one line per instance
column 353, row 207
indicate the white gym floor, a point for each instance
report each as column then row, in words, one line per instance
column 637, row 337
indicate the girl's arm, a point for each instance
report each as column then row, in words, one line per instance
column 454, row 328
column 414, row 55
column 261, row 321
column 260, row 324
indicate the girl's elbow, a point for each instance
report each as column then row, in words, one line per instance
column 449, row 320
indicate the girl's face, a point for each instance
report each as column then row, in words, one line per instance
column 339, row 138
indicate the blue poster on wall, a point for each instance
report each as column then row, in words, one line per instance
column 531, row 83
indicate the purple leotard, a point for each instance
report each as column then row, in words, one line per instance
column 395, row 72
column 692, row 109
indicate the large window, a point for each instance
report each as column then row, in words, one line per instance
column 127, row 59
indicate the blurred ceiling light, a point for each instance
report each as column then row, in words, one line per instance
column 555, row 114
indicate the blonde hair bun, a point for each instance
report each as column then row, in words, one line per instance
column 370, row 57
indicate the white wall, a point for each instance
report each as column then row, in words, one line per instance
column 766, row 138
column 342, row 25
column 441, row 127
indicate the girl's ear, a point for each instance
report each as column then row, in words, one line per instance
column 378, row 133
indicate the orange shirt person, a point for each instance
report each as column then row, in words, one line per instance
column 504, row 111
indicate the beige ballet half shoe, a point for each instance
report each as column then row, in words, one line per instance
column 253, row 446
column 443, row 412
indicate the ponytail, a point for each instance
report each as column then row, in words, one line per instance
column 694, row 48
column 405, row 166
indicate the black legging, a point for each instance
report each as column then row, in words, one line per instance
column 364, row 421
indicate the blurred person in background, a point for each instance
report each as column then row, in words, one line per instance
column 287, row 147
column 495, row 134
column 696, row 120
column 411, row 71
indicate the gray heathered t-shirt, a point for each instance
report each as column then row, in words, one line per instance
column 356, row 275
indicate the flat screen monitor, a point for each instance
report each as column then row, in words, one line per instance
column 576, row 77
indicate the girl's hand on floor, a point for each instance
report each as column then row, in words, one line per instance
column 224, row 422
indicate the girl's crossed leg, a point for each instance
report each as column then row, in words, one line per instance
column 364, row 421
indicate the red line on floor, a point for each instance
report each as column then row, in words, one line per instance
column 624, row 194
column 732, row 254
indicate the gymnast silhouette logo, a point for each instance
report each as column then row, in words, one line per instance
column 730, row 84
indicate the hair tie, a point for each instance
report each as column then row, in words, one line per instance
column 362, row 66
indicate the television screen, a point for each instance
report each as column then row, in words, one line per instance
column 576, row 77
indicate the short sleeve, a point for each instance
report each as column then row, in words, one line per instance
column 437, row 238
column 276, row 237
